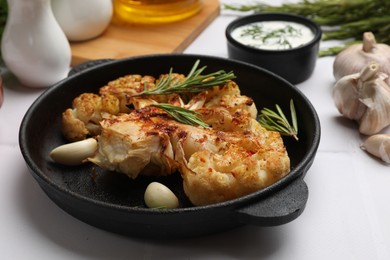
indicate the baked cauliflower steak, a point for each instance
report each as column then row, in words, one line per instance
column 233, row 157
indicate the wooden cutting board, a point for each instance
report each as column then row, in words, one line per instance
column 120, row 40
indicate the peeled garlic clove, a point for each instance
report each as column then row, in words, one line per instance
column 74, row 153
column 158, row 195
column 379, row 146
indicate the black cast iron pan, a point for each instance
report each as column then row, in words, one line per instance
column 113, row 202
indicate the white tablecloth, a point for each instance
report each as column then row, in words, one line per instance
column 347, row 215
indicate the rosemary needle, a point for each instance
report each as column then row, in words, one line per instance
column 277, row 121
column 182, row 115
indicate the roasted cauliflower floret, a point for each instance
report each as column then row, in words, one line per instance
column 211, row 178
column 116, row 97
column 83, row 119
column 224, row 108
column 124, row 87
column 137, row 143
column 243, row 164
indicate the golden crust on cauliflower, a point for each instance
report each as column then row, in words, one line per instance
column 88, row 109
column 136, row 143
column 215, row 165
column 83, row 119
column 240, row 166
column 125, row 86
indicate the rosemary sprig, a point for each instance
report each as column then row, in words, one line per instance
column 277, row 121
column 182, row 115
column 194, row 82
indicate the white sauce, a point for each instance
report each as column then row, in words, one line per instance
column 273, row 35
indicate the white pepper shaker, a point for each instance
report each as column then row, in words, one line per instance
column 34, row 47
column 83, row 19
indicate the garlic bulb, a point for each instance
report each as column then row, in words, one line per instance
column 365, row 98
column 357, row 56
column 379, row 146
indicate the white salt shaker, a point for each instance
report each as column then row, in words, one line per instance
column 83, row 19
column 34, row 47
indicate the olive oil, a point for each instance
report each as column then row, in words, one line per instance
column 155, row 11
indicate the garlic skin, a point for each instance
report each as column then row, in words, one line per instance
column 379, row 146
column 365, row 98
column 357, row 56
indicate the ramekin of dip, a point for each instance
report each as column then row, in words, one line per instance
column 284, row 44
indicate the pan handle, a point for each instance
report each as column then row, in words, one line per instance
column 87, row 65
column 279, row 208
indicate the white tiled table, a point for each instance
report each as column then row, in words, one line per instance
column 347, row 215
